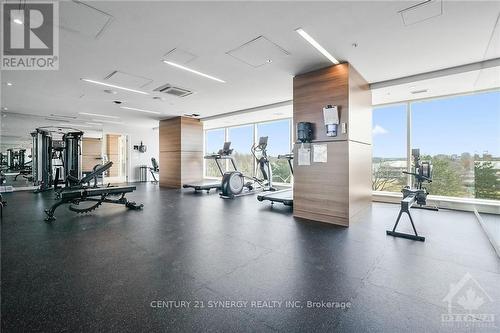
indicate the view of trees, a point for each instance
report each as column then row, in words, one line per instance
column 387, row 176
column 466, row 164
column 242, row 138
column 486, row 180
column 466, row 175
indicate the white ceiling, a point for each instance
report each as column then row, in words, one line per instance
column 478, row 80
column 140, row 33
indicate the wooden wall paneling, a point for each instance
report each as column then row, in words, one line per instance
column 181, row 151
column 192, row 166
column 321, row 190
column 170, row 169
column 360, row 105
column 112, row 151
column 91, row 153
column 360, row 177
column 314, row 90
column 192, row 134
column 335, row 191
column 170, row 134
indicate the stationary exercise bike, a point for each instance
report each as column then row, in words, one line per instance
column 414, row 195
column 234, row 182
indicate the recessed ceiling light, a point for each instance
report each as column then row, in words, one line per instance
column 76, row 125
column 17, row 21
column 114, row 86
column 109, row 121
column 316, row 45
column 419, row 91
column 140, row 110
column 9, row 84
column 4, row 108
column 193, row 71
column 98, row 115
column 62, row 116
column 109, row 91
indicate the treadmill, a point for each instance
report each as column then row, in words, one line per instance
column 223, row 154
column 284, row 196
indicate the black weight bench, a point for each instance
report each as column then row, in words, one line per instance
column 79, row 193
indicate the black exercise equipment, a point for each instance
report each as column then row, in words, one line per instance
column 154, row 168
column 42, row 159
column 284, row 196
column 414, row 195
column 83, row 192
column 304, row 132
column 233, row 182
column 56, row 160
column 71, row 153
column 25, row 171
column 223, row 154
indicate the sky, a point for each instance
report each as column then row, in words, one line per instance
column 469, row 123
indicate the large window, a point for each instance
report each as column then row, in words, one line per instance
column 389, row 148
column 214, row 140
column 459, row 134
column 279, row 143
column 241, row 138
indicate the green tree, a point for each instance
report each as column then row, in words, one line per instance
column 446, row 178
column 486, row 183
column 386, row 178
column 281, row 170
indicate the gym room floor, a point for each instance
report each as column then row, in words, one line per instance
column 106, row 271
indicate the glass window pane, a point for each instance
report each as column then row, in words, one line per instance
column 389, row 148
column 214, row 141
column 460, row 135
column 278, row 133
column 241, row 142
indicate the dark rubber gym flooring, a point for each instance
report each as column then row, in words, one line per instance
column 110, row 271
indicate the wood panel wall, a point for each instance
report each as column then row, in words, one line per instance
column 91, row 153
column 335, row 191
column 181, row 151
column 113, row 153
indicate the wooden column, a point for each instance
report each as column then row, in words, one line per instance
column 112, row 150
column 335, row 191
column 181, row 151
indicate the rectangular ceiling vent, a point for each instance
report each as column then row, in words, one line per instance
column 174, row 91
column 422, row 11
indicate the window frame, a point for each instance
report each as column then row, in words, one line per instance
column 255, row 139
column 456, row 202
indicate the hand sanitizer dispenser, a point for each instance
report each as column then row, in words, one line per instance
column 331, row 116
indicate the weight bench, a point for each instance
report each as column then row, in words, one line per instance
column 74, row 195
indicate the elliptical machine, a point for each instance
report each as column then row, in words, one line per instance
column 233, row 182
column 414, row 195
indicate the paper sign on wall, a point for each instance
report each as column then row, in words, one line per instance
column 320, row 153
column 304, row 155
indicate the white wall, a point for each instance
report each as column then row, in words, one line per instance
column 150, row 138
